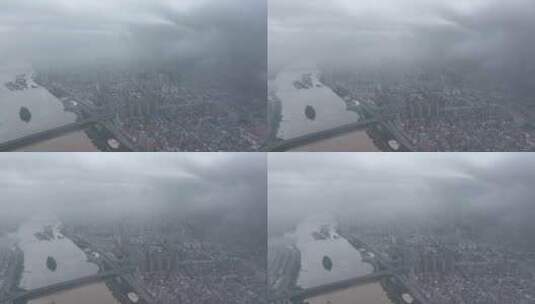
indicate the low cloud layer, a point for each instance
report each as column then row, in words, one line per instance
column 492, row 34
column 228, row 34
column 142, row 185
column 495, row 188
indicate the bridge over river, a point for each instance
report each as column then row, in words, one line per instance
column 46, row 290
column 385, row 270
column 371, row 117
column 52, row 133
column 288, row 144
column 318, row 290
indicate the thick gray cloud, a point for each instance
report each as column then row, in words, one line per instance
column 118, row 185
column 491, row 33
column 493, row 188
column 230, row 33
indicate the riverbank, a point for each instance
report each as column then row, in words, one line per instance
column 48, row 111
column 284, row 264
column 16, row 271
column 101, row 136
column 298, row 89
column 317, row 238
column 43, row 110
column 274, row 117
column 287, row 105
column 35, row 271
column 120, row 291
column 118, row 286
column 381, row 137
column 96, row 135
column 393, row 288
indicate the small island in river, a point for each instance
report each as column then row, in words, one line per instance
column 310, row 112
column 51, row 263
column 327, row 263
column 25, row 114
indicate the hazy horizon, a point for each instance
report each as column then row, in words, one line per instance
column 59, row 30
column 141, row 185
column 487, row 34
column 378, row 189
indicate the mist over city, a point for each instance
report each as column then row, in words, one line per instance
column 403, row 228
column 81, row 33
column 147, row 228
column 403, row 32
column 257, row 130
column 133, row 75
column 157, row 182
column 436, row 75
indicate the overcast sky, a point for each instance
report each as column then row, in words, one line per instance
column 84, row 30
column 384, row 187
column 494, row 33
column 133, row 184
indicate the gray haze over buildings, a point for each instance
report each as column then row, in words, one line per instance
column 142, row 185
column 494, row 34
column 227, row 34
column 493, row 191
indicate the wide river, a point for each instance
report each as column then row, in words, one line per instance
column 71, row 262
column 316, row 238
column 330, row 111
column 46, row 110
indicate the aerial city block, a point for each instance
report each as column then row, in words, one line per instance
column 140, row 76
column 151, row 228
column 417, row 229
column 409, row 75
